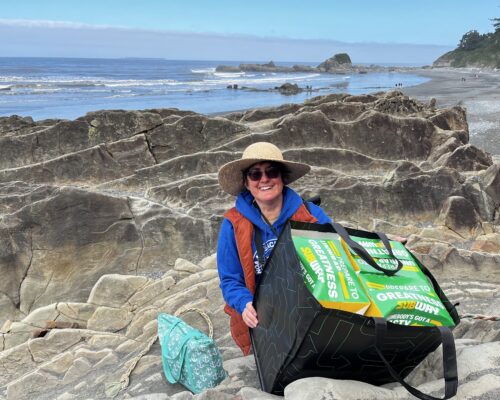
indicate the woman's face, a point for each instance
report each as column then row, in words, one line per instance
column 265, row 189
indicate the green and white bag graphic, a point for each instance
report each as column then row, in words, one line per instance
column 339, row 278
column 327, row 272
column 405, row 298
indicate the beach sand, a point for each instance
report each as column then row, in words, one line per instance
column 479, row 93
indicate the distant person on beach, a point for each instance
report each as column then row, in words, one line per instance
column 264, row 204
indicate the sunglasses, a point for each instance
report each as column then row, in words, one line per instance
column 256, row 174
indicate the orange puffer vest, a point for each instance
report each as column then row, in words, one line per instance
column 243, row 232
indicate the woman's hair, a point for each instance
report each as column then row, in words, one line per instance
column 284, row 171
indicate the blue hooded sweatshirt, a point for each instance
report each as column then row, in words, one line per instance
column 232, row 280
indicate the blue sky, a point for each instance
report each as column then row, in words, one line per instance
column 370, row 31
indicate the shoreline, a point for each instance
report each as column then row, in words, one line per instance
column 476, row 90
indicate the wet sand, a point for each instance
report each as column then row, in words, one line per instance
column 479, row 93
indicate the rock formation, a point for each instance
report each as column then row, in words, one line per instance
column 338, row 63
column 341, row 60
column 107, row 220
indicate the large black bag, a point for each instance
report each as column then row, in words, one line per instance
column 296, row 337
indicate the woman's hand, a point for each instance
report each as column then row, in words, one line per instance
column 397, row 238
column 250, row 315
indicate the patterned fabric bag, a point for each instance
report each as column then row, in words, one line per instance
column 189, row 357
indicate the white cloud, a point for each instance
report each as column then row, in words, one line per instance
column 27, row 38
column 41, row 23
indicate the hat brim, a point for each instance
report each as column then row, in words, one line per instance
column 231, row 174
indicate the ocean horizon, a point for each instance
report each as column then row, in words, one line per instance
column 67, row 88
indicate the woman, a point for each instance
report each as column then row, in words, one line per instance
column 263, row 206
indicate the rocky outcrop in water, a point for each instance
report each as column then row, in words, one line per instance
column 107, row 220
column 338, row 63
column 341, row 60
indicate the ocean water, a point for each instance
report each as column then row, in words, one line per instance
column 68, row 88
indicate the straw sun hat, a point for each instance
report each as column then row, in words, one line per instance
column 231, row 174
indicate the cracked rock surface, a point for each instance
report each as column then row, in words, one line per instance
column 107, row 220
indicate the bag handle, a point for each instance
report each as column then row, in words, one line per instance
column 203, row 314
column 449, row 362
column 361, row 251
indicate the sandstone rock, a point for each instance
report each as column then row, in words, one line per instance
column 140, row 320
column 248, row 393
column 169, row 141
column 480, row 330
column 107, row 126
column 376, row 134
column 67, row 248
column 172, row 171
column 18, row 333
column 80, row 368
column 100, row 341
column 491, row 181
column 130, row 236
column 152, row 292
column 271, row 112
column 42, row 314
column 15, row 362
column 114, row 290
column 452, row 119
column 9, row 125
column 388, row 228
column 186, row 266
column 484, row 205
column 468, row 365
column 459, row 215
column 96, row 164
column 66, row 396
column 338, row 110
column 446, row 261
column 75, row 312
column 320, row 388
column 442, row 234
column 59, row 365
column 15, row 151
column 338, row 159
column 109, row 359
column 489, row 243
column 393, row 199
column 326, row 99
column 16, row 195
column 108, row 319
column 209, row 262
column 63, row 137
column 449, row 146
column 169, row 112
column 55, row 342
column 28, row 387
column 466, row 158
column 397, row 104
column 15, row 259
column 361, row 98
